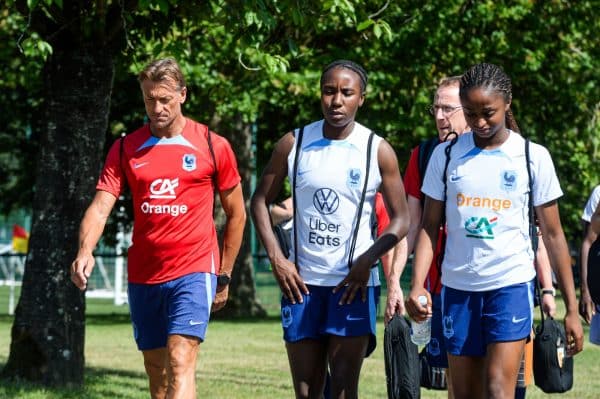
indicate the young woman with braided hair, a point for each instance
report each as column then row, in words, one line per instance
column 487, row 273
column 330, row 288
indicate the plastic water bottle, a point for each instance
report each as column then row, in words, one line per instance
column 420, row 333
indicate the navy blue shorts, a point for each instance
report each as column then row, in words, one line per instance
column 181, row 306
column 320, row 315
column 472, row 320
column 436, row 348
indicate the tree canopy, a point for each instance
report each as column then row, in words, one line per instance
column 68, row 71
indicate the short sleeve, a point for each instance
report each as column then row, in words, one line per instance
column 546, row 186
column 112, row 178
column 228, row 175
column 591, row 205
column 433, row 183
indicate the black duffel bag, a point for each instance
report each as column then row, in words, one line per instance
column 552, row 368
column 401, row 360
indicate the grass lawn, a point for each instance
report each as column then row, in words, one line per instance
column 240, row 359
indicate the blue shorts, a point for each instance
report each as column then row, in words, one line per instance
column 320, row 315
column 472, row 320
column 436, row 348
column 181, row 306
column 595, row 327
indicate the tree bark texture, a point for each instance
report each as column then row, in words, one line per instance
column 48, row 333
column 242, row 300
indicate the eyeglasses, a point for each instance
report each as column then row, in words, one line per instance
column 447, row 110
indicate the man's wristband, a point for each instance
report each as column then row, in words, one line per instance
column 549, row 291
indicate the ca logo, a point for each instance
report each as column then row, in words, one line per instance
column 481, row 227
column 163, row 188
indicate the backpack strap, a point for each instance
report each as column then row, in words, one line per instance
column 533, row 231
column 362, row 200
column 447, row 151
column 294, row 204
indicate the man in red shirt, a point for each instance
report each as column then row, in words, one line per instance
column 449, row 121
column 173, row 165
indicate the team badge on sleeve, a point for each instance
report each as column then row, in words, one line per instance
column 189, row 162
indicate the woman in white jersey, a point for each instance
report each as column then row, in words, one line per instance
column 330, row 288
column 487, row 296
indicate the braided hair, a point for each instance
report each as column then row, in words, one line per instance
column 490, row 77
column 351, row 65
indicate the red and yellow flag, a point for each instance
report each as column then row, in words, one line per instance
column 20, row 240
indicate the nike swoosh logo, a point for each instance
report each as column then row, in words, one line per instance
column 454, row 179
column 195, row 323
column 139, row 165
column 514, row 320
column 302, row 172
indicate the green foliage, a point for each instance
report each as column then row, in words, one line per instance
column 259, row 62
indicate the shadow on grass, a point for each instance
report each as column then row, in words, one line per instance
column 107, row 319
column 90, row 319
column 100, row 383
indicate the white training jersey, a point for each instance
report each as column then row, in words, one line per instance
column 329, row 185
column 591, row 205
column 487, row 210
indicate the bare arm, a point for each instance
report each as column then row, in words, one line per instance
column 232, row 201
column 283, row 211
column 558, row 252
column 587, row 307
column 268, row 187
column 414, row 208
column 544, row 274
column 595, row 222
column 402, row 252
column 425, row 246
column 392, row 269
column 90, row 231
column 404, row 248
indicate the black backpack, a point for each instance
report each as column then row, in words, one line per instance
column 593, row 270
column 401, row 360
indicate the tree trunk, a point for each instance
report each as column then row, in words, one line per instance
column 48, row 333
column 242, row 300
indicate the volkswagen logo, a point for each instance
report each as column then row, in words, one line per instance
column 326, row 201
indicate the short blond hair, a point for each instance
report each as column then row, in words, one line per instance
column 450, row 81
column 162, row 69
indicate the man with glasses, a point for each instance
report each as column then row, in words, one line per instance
column 450, row 122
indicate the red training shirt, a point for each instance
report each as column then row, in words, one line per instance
column 172, row 189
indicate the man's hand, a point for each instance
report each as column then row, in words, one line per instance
column 81, row 269
column 220, row 298
column 394, row 303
